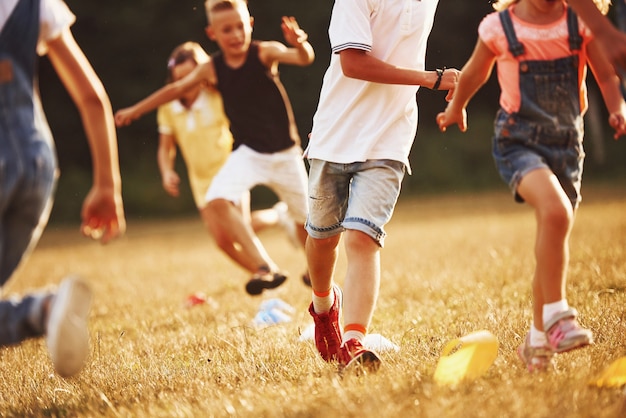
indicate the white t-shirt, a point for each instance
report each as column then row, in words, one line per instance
column 54, row 17
column 358, row 120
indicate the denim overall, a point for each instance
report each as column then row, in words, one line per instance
column 547, row 131
column 27, row 165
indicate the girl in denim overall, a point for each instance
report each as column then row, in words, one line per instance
column 28, row 173
column 541, row 53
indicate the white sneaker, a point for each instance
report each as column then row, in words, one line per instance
column 67, row 335
column 286, row 223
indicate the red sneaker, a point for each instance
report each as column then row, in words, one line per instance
column 353, row 355
column 327, row 330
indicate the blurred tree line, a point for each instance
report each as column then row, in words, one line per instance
column 128, row 43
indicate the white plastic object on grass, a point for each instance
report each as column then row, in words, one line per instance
column 374, row 342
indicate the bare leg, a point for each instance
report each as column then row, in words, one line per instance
column 302, row 234
column 270, row 217
column 321, row 257
column 362, row 278
column 235, row 236
column 555, row 217
column 263, row 218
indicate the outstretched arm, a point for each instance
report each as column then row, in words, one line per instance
column 300, row 51
column 612, row 40
column 609, row 85
column 202, row 74
column 102, row 211
column 474, row 74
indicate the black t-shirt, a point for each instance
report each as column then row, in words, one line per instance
column 256, row 104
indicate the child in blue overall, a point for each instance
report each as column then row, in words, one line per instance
column 28, row 173
column 541, row 49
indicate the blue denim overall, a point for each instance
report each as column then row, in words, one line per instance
column 27, row 165
column 547, row 131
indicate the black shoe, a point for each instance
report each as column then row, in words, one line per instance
column 258, row 283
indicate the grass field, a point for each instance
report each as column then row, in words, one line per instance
column 452, row 265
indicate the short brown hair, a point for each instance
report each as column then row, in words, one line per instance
column 213, row 6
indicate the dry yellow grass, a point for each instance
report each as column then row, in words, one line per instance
column 452, row 265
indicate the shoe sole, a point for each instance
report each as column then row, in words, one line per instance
column 257, row 286
column 368, row 361
column 581, row 341
column 67, row 335
column 549, row 365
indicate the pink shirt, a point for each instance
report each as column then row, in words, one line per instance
column 541, row 42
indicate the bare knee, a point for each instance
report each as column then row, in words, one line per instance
column 360, row 242
column 556, row 215
column 212, row 215
column 322, row 244
column 219, row 207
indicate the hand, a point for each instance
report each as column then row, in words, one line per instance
column 102, row 215
column 292, row 32
column 449, row 117
column 125, row 117
column 618, row 122
column 449, row 79
column 171, row 181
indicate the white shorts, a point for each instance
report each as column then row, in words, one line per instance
column 283, row 172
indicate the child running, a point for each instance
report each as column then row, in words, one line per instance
column 542, row 50
column 196, row 124
column 358, row 152
column 266, row 149
column 29, row 173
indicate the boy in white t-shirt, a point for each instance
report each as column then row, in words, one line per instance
column 27, row 155
column 358, row 151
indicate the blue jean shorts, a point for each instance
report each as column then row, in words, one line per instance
column 520, row 147
column 358, row 196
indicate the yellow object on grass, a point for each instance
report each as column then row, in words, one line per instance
column 466, row 358
column 612, row 376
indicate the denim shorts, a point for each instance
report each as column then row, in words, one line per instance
column 359, row 196
column 520, row 147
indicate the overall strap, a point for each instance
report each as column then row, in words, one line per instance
column 515, row 46
column 22, row 26
column 18, row 43
column 575, row 40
